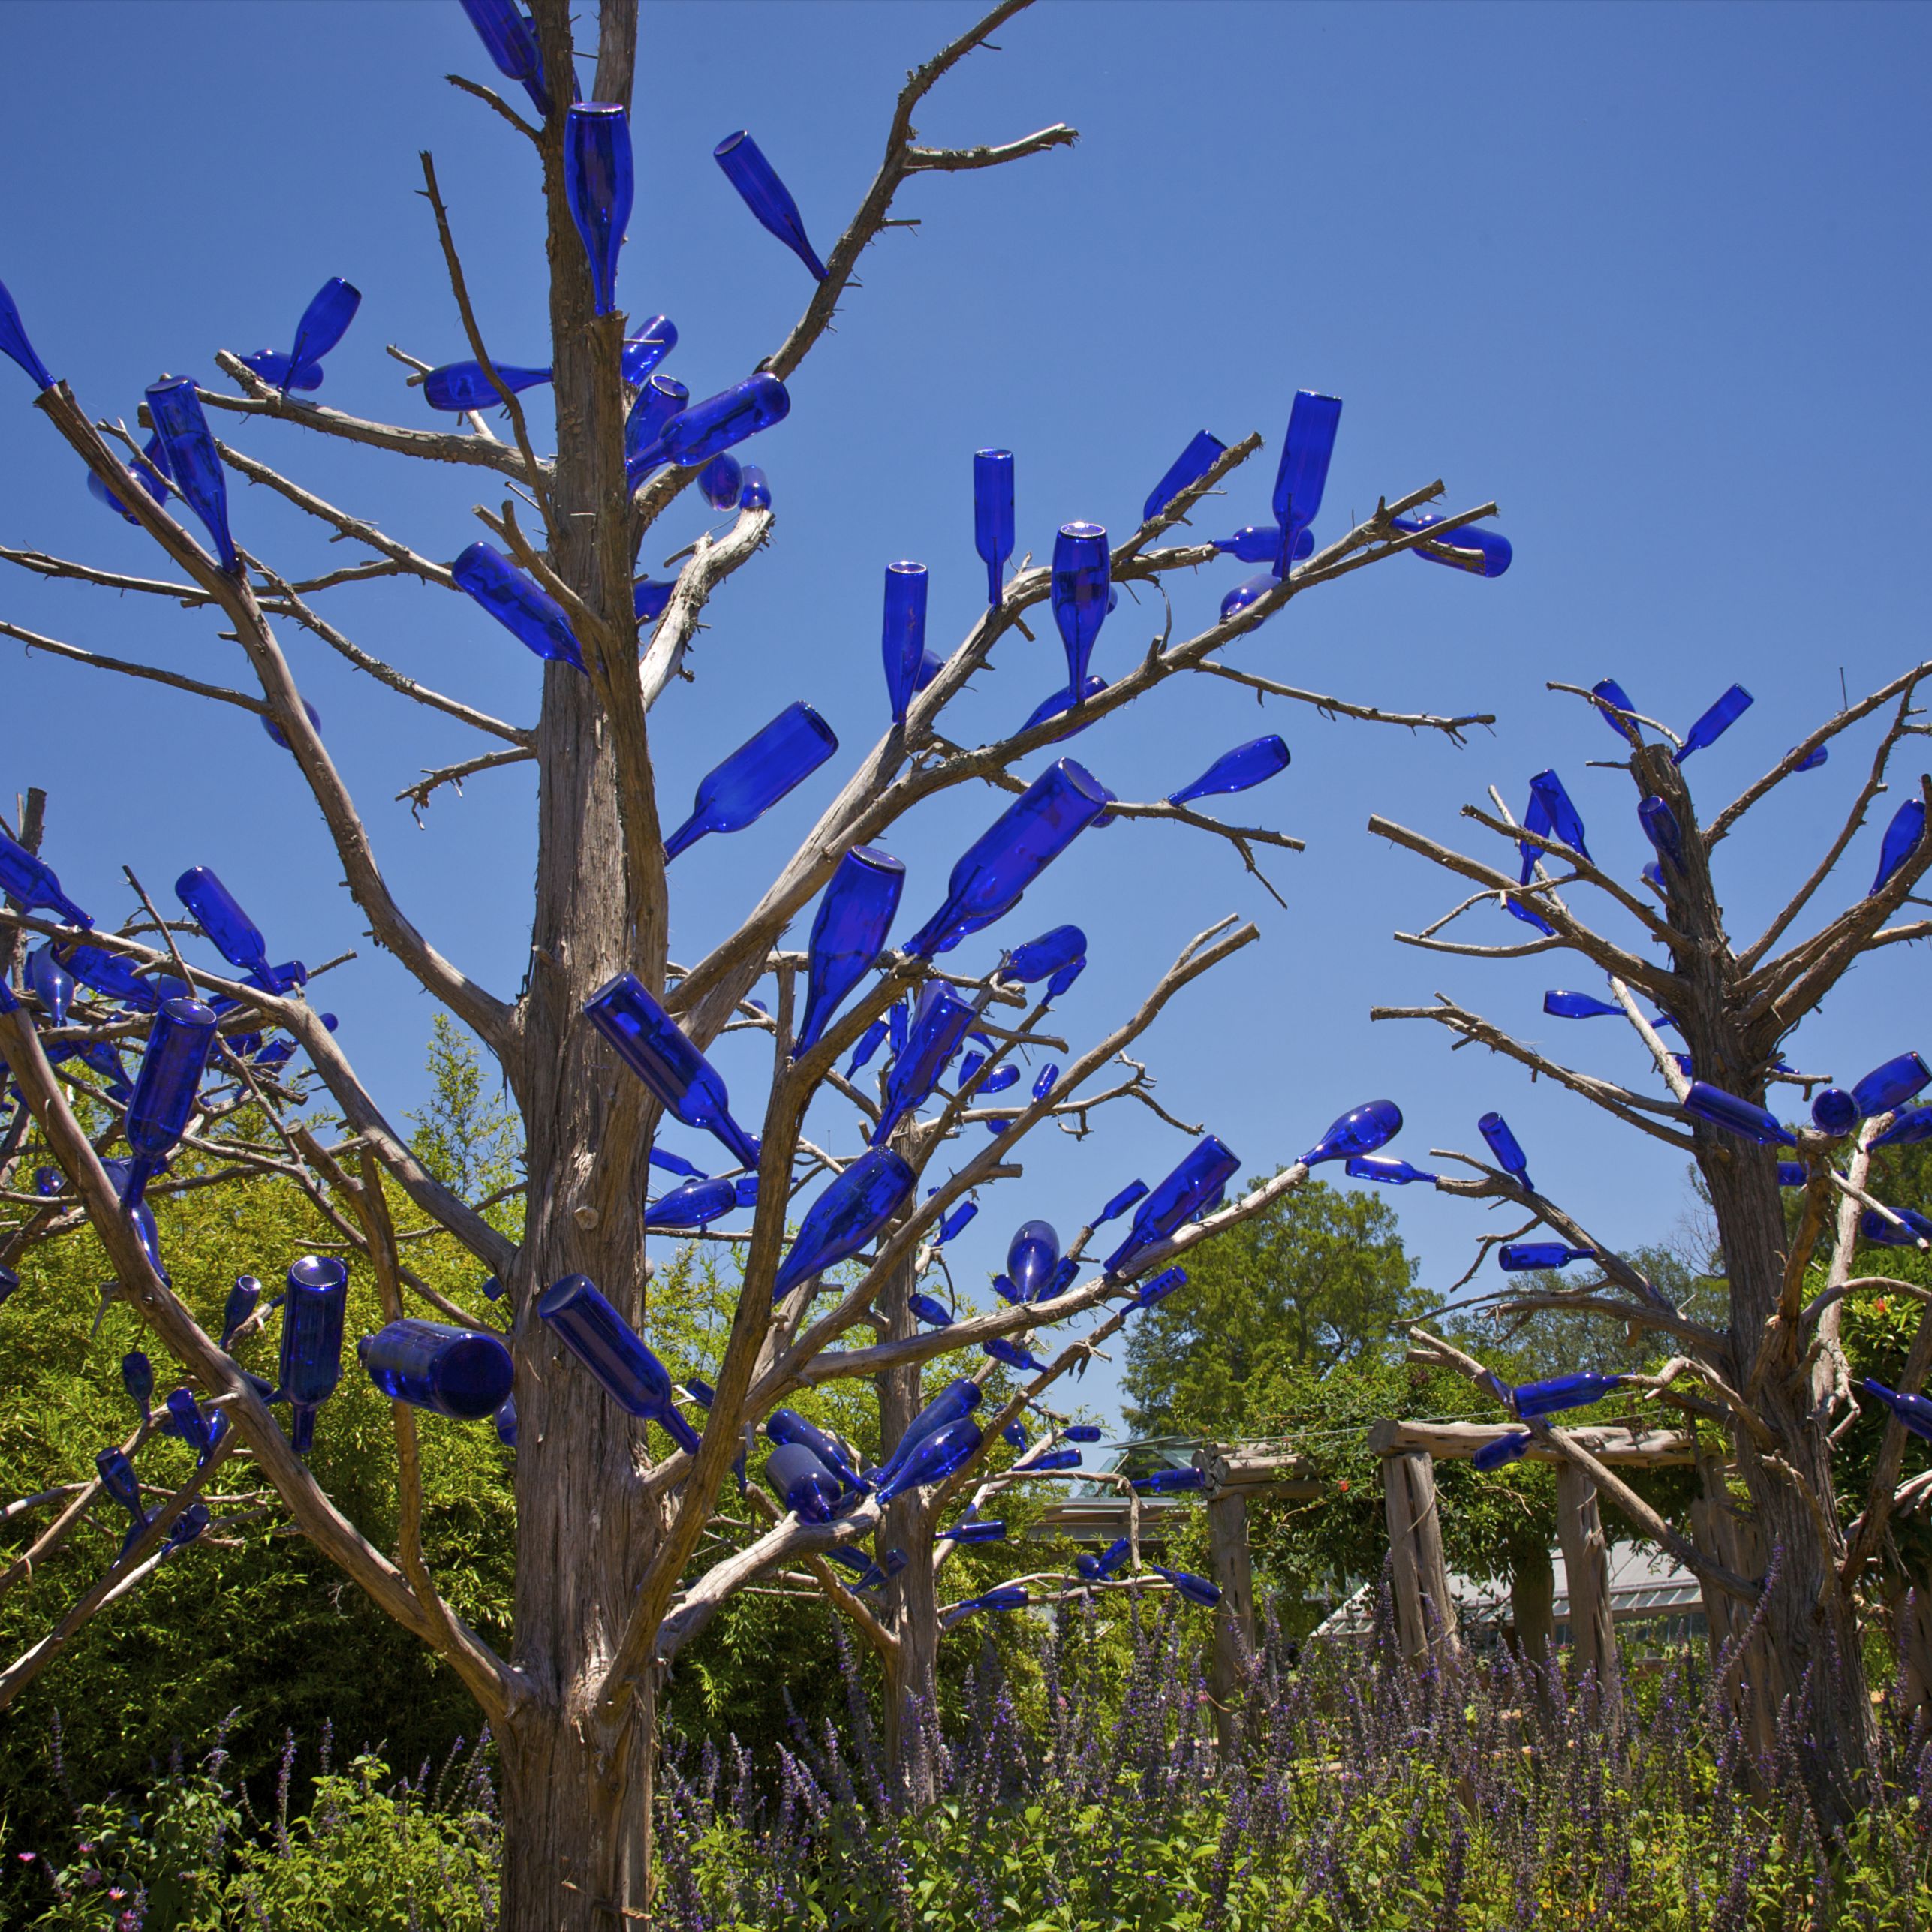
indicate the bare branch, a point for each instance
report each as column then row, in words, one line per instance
column 153, row 673
column 1453, row 728
column 454, row 774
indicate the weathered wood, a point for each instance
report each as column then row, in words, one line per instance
column 1425, row 1611
column 1457, row 1441
column 1533, row 1603
column 1234, row 1616
column 1586, row 1558
column 1718, row 1525
column 1230, row 1465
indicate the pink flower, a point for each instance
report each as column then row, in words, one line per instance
column 25, row 1858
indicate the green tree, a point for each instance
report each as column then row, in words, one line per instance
column 1321, row 1277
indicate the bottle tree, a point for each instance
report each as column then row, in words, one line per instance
column 1771, row 1379
column 618, row 1476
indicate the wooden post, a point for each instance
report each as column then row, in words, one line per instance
column 1424, row 1611
column 1586, row 1558
column 1532, row 1603
column 1717, row 1528
column 1234, row 1616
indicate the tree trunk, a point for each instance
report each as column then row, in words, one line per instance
column 1533, row 1603
column 1745, row 1674
column 1425, row 1611
column 1234, row 1615
column 1586, row 1562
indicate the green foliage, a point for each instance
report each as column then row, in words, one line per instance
column 369, row 1855
column 1319, row 1279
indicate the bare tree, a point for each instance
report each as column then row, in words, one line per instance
column 1773, row 1379
column 619, row 1564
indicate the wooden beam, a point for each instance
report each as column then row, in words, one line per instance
column 1457, row 1441
column 1233, row 1466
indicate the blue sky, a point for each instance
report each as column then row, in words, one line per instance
column 1654, row 278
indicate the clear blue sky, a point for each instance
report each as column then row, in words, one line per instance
column 1653, row 277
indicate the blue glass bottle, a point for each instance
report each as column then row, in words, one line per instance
column 870, row 1041
column 1043, row 1081
column 1002, row 1596
column 1261, row 543
column 1170, row 1483
column 1094, row 1568
column 938, row 1024
column 1080, row 565
column 51, row 984
column 118, row 1480
column 757, row 182
column 802, row 1483
column 693, row 1206
column 1505, row 1449
column 464, row 1374
column 1059, row 701
column 313, row 1305
column 903, row 639
column 1033, row 1258
column 1715, row 722
column 1246, row 765
column 189, row 446
column 1054, row 1459
column 1304, row 474
column 1521, row 1257
column 609, row 1347
column 1565, row 822
column 993, row 873
column 787, row 1426
column 957, row 1401
column 935, row 1314
column 278, row 736
column 165, row 1088
column 651, row 340
column 1902, row 839
column 275, row 369
column 233, row 934
column 1835, row 1112
column 851, row 1210
column 1385, row 1168
column 1908, row 1129
column 771, row 762
column 1816, row 759
column 454, row 387
column 756, row 495
column 137, row 1377
column 1248, row 592
column 325, row 321
column 1203, row 1170
column 658, row 399
column 34, row 882
column 1579, row 1006
column 1361, row 1130
column 511, row 42
column 719, row 481
column 1563, row 1392
column 1005, row 1289
column 1013, row 1354
column 993, row 517
column 13, row 342
column 1120, row 1204
column 1882, row 1233
column 977, row 1530
column 1493, row 549
column 1616, row 698
column 896, row 1021
column 186, row 1421
column 1735, row 1116
column 530, row 614
column 1914, row 1411
column 854, row 917
column 720, row 422
column 1662, row 830
column 651, row 1043
column 105, row 1059
column 1792, row 1174
column 241, row 1304
column 1162, row 1285
column 597, row 185
column 1040, row 958
column 1507, row 1149
column 1188, row 469
column 932, row 1458
column 1196, row 1589
column 505, row 1420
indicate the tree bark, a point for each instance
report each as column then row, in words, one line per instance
column 1533, row 1603
column 1586, row 1562
column 1737, row 1649
column 1425, row 1611
column 1234, row 1615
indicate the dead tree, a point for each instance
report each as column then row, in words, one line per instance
column 620, row 1570
column 1772, row 1378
